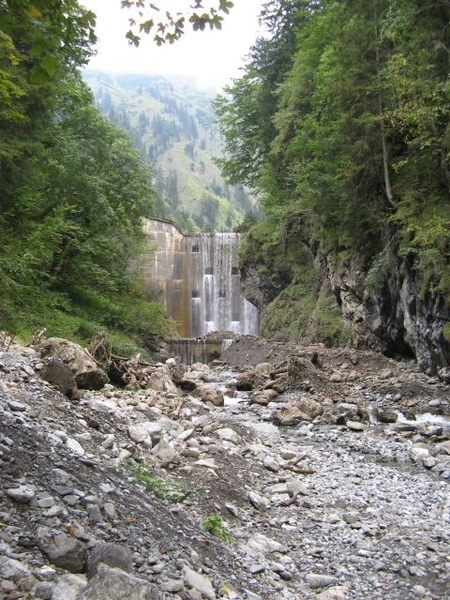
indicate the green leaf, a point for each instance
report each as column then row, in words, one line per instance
column 50, row 65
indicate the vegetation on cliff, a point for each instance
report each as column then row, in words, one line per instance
column 341, row 124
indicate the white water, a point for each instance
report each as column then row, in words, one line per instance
column 217, row 303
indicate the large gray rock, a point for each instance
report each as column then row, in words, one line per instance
column 113, row 555
column 56, row 372
column 114, row 584
column 86, row 372
column 63, row 551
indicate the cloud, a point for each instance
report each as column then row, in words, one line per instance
column 213, row 58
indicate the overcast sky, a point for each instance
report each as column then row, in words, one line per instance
column 211, row 57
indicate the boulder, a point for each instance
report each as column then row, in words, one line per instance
column 62, row 551
column 263, row 397
column 56, row 372
column 209, row 393
column 304, row 409
column 113, row 555
column 86, row 372
column 245, row 381
column 114, row 584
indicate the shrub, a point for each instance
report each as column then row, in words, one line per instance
column 212, row 523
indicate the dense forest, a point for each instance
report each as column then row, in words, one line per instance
column 73, row 190
column 340, row 122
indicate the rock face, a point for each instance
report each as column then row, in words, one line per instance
column 408, row 321
column 385, row 309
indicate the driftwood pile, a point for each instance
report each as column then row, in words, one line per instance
column 129, row 372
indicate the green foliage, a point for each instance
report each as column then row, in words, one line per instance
column 170, row 490
column 171, row 28
column 301, row 314
column 171, row 126
column 74, row 192
column 356, row 143
column 289, row 313
column 213, row 524
column 446, row 332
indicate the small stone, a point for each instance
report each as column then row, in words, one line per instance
column 271, row 464
column 199, row 582
column 190, row 452
column 338, row 592
column 45, row 501
column 75, row 447
column 443, row 447
column 173, row 586
column 43, row 590
column 351, row 518
column 16, row 406
column 317, row 580
column 355, row 426
column 108, row 442
column 12, row 569
column 262, row 543
column 46, row 573
column 336, row 377
column 257, row 568
column 257, row 501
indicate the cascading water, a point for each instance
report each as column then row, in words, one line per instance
column 217, row 303
column 199, row 278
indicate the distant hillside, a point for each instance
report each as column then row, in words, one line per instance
column 171, row 124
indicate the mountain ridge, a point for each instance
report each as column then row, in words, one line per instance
column 171, row 123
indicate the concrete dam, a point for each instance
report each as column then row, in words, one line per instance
column 197, row 279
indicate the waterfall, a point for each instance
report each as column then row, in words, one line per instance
column 217, row 303
column 199, row 278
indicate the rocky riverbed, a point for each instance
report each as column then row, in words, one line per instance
column 322, row 473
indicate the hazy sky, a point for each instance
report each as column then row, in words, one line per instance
column 212, row 57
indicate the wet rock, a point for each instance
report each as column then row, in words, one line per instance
column 245, row 382
column 263, row 397
column 356, row 426
column 209, row 393
column 386, row 416
column 305, row 409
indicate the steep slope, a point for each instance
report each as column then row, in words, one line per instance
column 171, row 123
